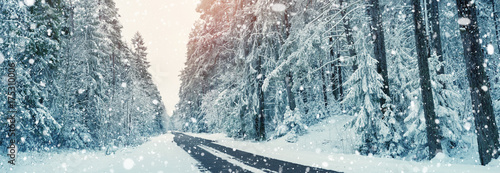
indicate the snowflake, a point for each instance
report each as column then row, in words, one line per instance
column 80, row 91
column 484, row 88
column 29, row 2
column 464, row 21
column 128, row 164
column 2, row 58
column 33, row 26
column 490, row 49
column 278, row 7
column 467, row 126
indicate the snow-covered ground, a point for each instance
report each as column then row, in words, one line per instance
column 158, row 155
column 331, row 148
column 324, row 147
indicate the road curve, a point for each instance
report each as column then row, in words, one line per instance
column 215, row 164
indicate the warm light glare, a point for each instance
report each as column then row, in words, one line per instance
column 165, row 26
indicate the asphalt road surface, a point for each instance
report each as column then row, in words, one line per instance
column 197, row 148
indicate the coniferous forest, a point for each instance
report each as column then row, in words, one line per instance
column 418, row 77
column 72, row 80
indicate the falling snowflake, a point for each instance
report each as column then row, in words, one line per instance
column 278, row 7
column 45, row 133
column 484, row 88
column 42, row 83
column 80, row 91
column 33, row 26
column 425, row 169
column 124, row 84
column 464, row 21
column 31, row 61
column 324, row 164
column 467, row 126
column 490, row 49
column 2, row 58
column 155, row 102
column 128, row 164
column 447, row 34
column 29, row 2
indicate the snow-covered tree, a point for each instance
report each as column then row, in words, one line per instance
column 379, row 132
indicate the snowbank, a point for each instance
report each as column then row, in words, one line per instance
column 158, row 155
column 328, row 145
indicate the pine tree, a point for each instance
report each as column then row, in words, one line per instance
column 13, row 39
column 40, row 59
column 448, row 103
column 379, row 131
column 90, row 48
column 147, row 95
column 140, row 53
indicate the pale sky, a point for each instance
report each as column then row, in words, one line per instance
column 165, row 26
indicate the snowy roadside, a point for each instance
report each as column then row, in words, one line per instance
column 325, row 148
column 158, row 155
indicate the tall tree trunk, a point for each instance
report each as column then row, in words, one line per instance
column 260, row 118
column 433, row 7
column 486, row 128
column 291, row 97
column 377, row 31
column 495, row 22
column 348, row 33
column 288, row 77
column 334, row 79
column 339, row 73
column 325, row 98
column 433, row 136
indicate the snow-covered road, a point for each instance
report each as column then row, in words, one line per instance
column 218, row 158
